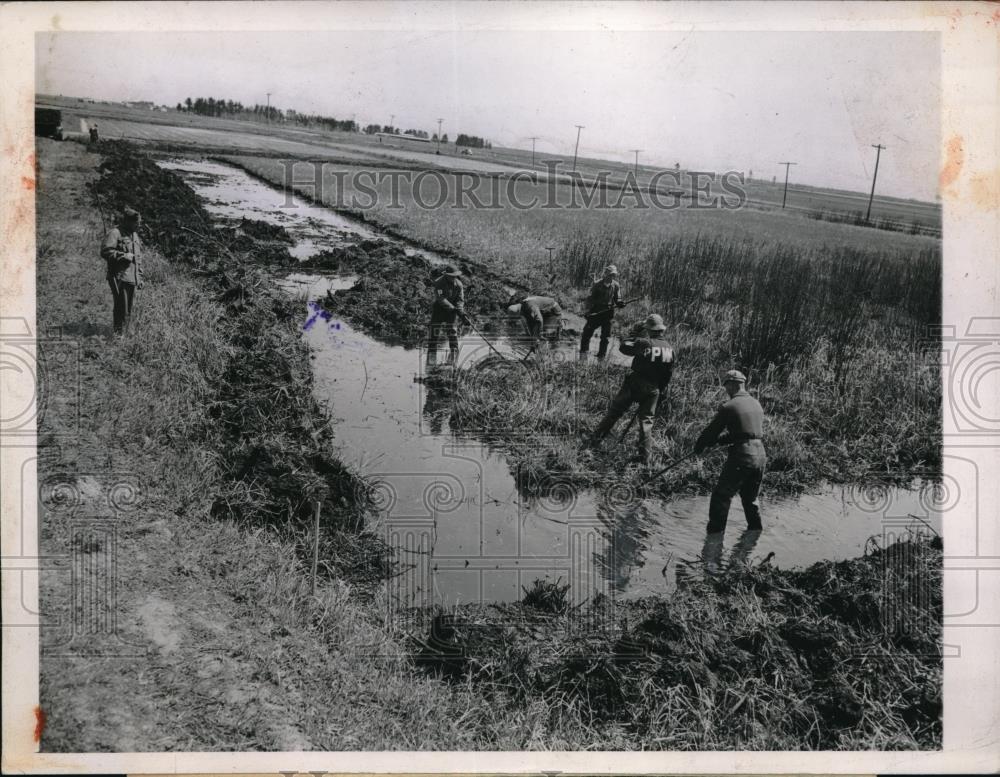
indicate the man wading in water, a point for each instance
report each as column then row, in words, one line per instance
column 448, row 306
column 739, row 423
column 605, row 296
column 652, row 368
column 121, row 250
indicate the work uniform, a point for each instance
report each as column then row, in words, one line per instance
column 605, row 296
column 121, row 251
column 542, row 315
column 739, row 423
column 449, row 303
column 652, row 368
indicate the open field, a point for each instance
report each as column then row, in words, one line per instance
column 124, row 122
column 208, row 401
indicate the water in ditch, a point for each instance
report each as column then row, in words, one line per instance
column 451, row 506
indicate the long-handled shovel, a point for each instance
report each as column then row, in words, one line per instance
column 468, row 320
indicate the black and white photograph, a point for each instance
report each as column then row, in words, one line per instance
column 592, row 387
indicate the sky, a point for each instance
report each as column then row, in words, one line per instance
column 708, row 100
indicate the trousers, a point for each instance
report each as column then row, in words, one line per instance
column 601, row 321
column 633, row 390
column 442, row 322
column 741, row 474
column 123, row 294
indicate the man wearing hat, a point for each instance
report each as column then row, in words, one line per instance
column 605, row 296
column 542, row 315
column 739, row 423
column 652, row 368
column 448, row 305
column 121, row 250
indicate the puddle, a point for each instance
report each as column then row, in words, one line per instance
column 449, row 503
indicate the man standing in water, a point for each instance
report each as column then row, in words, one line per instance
column 448, row 306
column 739, row 423
column 121, row 250
column 652, row 368
column 605, row 296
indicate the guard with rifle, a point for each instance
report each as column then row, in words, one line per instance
column 652, row 368
column 605, row 297
column 448, row 306
column 739, row 423
column 121, row 250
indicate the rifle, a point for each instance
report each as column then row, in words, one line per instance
column 619, row 305
column 468, row 320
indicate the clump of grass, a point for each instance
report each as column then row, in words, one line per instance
column 547, row 595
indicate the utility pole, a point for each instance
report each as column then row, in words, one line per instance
column 392, row 122
column 785, row 195
column 533, row 139
column 577, row 149
column 439, row 133
column 878, row 152
column 636, row 150
column 269, row 109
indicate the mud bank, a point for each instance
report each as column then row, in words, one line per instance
column 272, row 437
column 838, row 656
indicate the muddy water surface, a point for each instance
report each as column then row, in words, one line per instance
column 450, row 503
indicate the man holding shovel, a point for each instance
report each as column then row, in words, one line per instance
column 739, row 423
column 605, row 296
column 448, row 306
column 652, row 368
column 121, row 250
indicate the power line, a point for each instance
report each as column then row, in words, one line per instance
column 575, row 150
column 785, row 195
column 636, row 150
column 878, row 153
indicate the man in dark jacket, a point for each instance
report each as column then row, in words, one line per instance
column 448, row 306
column 605, row 296
column 121, row 250
column 739, row 423
column 652, row 368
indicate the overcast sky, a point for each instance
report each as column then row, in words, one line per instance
column 709, row 100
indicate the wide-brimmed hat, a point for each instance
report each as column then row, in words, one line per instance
column 131, row 214
column 514, row 309
column 610, row 270
column 450, row 271
column 734, row 376
column 655, row 323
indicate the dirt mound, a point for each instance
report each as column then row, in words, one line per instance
column 764, row 650
column 173, row 218
column 392, row 299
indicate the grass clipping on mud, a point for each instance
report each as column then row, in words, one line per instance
column 842, row 655
column 272, row 438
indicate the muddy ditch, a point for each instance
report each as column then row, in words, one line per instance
column 273, row 440
column 568, row 583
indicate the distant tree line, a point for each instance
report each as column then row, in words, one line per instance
column 472, row 141
column 211, row 106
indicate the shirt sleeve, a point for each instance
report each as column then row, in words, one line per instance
column 460, row 298
column 712, row 432
column 109, row 248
